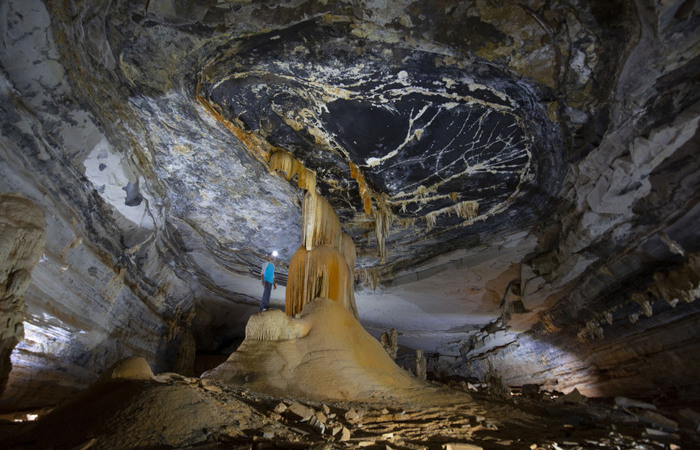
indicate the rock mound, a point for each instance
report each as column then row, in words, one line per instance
column 132, row 368
column 336, row 360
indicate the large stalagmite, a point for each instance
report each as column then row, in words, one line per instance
column 325, row 354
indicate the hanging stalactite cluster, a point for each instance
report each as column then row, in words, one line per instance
column 324, row 264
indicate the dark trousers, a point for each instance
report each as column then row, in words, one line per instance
column 265, row 302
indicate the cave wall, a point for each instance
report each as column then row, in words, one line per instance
column 100, row 291
column 22, row 239
column 608, row 296
column 131, row 245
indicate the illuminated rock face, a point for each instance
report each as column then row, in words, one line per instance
column 22, row 238
column 520, row 180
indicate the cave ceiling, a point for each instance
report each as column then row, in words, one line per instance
column 422, row 146
column 448, row 148
column 442, row 135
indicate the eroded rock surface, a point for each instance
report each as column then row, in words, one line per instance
column 22, row 238
column 177, row 411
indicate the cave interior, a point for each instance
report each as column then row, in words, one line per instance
column 503, row 195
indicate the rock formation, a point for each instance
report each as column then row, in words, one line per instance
column 519, row 179
column 22, row 238
column 390, row 342
column 323, row 355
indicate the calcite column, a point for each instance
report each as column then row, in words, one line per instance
column 22, row 239
column 324, row 264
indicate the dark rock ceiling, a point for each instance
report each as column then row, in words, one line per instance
column 519, row 178
column 449, row 145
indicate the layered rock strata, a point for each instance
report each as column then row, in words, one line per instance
column 22, row 238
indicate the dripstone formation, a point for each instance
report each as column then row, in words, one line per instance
column 519, row 179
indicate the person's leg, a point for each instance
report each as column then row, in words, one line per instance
column 264, row 303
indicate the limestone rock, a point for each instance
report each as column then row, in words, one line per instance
column 273, row 325
column 657, row 420
column 464, row 147
column 351, row 414
column 22, row 237
column 573, row 397
column 320, row 365
column 299, row 412
column 625, row 402
column 132, row 368
column 280, row 408
column 688, row 414
column 317, row 424
column 459, row 446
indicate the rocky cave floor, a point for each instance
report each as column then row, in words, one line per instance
column 173, row 411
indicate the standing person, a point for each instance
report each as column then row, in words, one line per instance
column 267, row 275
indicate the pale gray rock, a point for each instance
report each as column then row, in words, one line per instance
column 22, row 238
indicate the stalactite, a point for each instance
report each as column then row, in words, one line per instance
column 347, row 249
column 467, row 209
column 283, row 161
column 324, row 265
column 382, row 223
column 430, row 219
column 406, row 222
column 369, row 276
column 321, row 224
column 365, row 193
column 295, row 297
column 319, row 272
